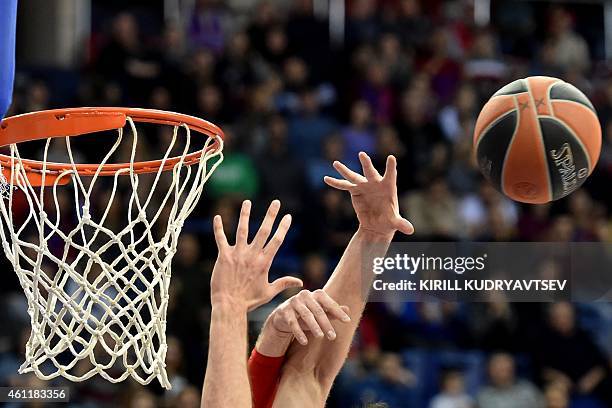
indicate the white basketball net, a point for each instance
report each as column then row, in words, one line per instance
column 98, row 304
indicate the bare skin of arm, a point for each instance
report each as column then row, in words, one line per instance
column 310, row 370
column 239, row 284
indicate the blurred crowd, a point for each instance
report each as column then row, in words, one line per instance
column 408, row 79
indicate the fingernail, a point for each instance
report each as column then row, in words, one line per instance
column 346, row 318
column 303, row 340
column 331, row 334
column 319, row 333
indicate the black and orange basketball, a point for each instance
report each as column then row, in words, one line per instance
column 537, row 139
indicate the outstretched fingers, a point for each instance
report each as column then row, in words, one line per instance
column 349, row 174
column 338, row 184
column 266, row 226
column 368, row 168
column 242, row 233
column 391, row 170
column 220, row 237
column 279, row 236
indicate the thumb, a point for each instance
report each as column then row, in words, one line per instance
column 404, row 226
column 285, row 283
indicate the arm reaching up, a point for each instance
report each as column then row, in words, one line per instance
column 239, row 284
column 375, row 201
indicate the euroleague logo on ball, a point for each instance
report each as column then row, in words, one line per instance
column 564, row 160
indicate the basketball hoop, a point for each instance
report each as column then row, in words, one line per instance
column 102, row 293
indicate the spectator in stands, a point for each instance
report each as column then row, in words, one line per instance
column 567, row 355
column 189, row 306
column 189, row 397
column 37, row 97
column 452, row 117
column 378, row 93
column 201, row 67
column 452, row 392
column 397, row 59
column 265, row 16
column 443, row 70
column 389, row 142
column 556, row 396
column 210, row 25
column 238, row 177
column 276, row 47
column 318, row 167
column 485, row 62
column 142, row 399
column 435, row 210
column 463, row 175
column 569, row 50
column 562, row 229
column 309, row 126
column 126, row 60
column 504, row 389
column 534, row 221
column 315, row 272
column 175, row 362
column 210, row 103
column 239, row 70
column 281, row 175
column 417, row 129
column 362, row 23
column 474, row 209
column 495, row 324
column 358, row 135
column 391, row 383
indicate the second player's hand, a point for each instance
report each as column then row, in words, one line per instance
column 240, row 275
column 374, row 196
column 308, row 312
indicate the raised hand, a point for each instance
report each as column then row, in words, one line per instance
column 374, row 196
column 308, row 312
column 240, row 275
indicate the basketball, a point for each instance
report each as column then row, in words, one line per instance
column 537, row 139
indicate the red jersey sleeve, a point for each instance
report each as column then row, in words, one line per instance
column 264, row 373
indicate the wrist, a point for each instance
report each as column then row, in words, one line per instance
column 375, row 235
column 273, row 342
column 224, row 302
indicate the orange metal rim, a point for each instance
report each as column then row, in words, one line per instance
column 80, row 121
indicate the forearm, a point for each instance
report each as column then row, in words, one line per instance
column 352, row 279
column 349, row 285
column 226, row 383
